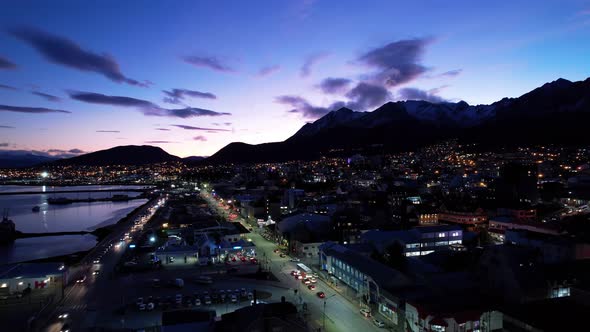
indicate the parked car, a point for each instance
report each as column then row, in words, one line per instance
column 150, row 306
column 197, row 302
column 207, row 300
column 321, row 295
column 234, row 298
column 365, row 312
column 139, row 300
column 378, row 323
column 295, row 260
column 141, row 307
column 311, row 287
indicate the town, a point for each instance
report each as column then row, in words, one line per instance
column 446, row 238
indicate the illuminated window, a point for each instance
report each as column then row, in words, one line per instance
column 441, row 235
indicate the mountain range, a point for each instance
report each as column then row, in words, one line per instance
column 557, row 112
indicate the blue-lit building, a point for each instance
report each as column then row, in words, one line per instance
column 418, row 241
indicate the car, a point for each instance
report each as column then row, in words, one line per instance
column 150, row 306
column 365, row 312
column 378, row 323
column 178, row 298
column 311, row 287
column 321, row 295
column 294, row 272
column 243, row 292
column 234, row 298
column 207, row 300
column 65, row 328
column 81, row 280
column 250, row 296
column 156, row 283
column 96, row 272
column 63, row 315
column 141, row 307
column 96, row 261
column 282, row 255
column 299, row 277
column 139, row 300
column 229, row 291
column 197, row 302
column 306, row 281
column 295, row 260
column 253, row 260
column 233, row 259
column 243, row 259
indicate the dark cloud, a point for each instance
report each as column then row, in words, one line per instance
column 76, row 151
column 397, row 62
column 267, row 71
column 146, row 107
column 208, row 62
column 7, row 87
column 107, row 131
column 7, row 127
column 365, row 96
column 200, row 138
column 451, row 73
column 4, row 144
column 332, row 85
column 176, row 95
column 159, row 142
column 163, row 129
column 6, row 64
column 7, row 108
column 227, row 123
column 65, row 52
column 46, row 96
column 302, row 106
column 189, row 112
column 417, row 94
column 212, row 130
column 310, row 61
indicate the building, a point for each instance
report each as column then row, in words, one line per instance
column 467, row 218
column 15, row 278
column 517, row 184
column 417, row 241
column 553, row 249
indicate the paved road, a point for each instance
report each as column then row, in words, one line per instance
column 341, row 315
column 83, row 298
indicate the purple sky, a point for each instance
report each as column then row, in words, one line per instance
column 193, row 76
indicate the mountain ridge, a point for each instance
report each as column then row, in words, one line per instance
column 403, row 125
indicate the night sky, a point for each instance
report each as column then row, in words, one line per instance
column 193, row 76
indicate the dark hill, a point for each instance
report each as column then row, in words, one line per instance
column 121, row 155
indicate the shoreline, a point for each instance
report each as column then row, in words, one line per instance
column 74, row 257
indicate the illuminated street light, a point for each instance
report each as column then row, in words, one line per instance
column 44, row 174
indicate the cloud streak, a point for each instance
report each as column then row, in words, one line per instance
column 211, row 130
column 31, row 110
column 108, row 131
column 146, row 107
column 7, row 87
column 310, row 62
column 6, row 127
column 65, row 52
column 159, row 142
column 200, row 138
column 46, row 96
column 301, row 106
column 7, row 64
column 267, row 71
column 208, row 62
column 177, row 95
